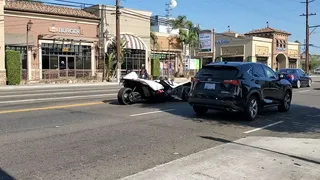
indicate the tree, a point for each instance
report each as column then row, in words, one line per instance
column 179, row 22
column 13, row 66
column 296, row 41
column 314, row 62
column 154, row 40
column 111, row 56
column 188, row 33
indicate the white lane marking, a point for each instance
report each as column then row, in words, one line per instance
column 152, row 112
column 54, row 93
column 264, row 127
column 304, row 91
column 59, row 98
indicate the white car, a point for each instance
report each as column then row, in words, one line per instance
column 317, row 71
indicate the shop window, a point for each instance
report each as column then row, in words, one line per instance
column 86, row 62
column 45, row 62
column 133, row 59
column 129, row 64
column 79, row 63
column 54, row 64
column 82, row 54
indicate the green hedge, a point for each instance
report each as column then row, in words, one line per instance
column 13, row 66
column 155, row 68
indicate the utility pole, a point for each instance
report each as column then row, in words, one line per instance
column 118, row 39
column 102, row 42
column 307, row 31
column 213, row 45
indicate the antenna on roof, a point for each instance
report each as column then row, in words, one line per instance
column 267, row 24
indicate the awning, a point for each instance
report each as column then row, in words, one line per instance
column 133, row 42
column 18, row 39
column 67, row 38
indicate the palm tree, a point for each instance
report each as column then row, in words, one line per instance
column 179, row 22
column 111, row 56
column 154, row 40
column 188, row 32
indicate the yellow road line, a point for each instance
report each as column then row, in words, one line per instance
column 50, row 107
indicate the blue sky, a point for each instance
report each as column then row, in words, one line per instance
column 241, row 15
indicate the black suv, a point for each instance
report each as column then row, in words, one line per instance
column 239, row 86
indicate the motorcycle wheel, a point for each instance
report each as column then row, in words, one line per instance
column 124, row 96
column 185, row 94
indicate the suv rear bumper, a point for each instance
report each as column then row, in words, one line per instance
column 218, row 104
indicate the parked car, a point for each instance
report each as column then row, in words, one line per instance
column 317, row 71
column 239, row 87
column 297, row 77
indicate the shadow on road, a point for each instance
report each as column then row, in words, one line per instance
column 115, row 102
column 5, row 176
column 264, row 149
column 111, row 101
column 300, row 119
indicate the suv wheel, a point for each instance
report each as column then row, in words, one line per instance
column 200, row 110
column 252, row 108
column 286, row 103
column 298, row 84
column 309, row 83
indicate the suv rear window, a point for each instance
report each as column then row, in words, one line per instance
column 287, row 71
column 220, row 72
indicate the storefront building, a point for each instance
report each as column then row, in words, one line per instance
column 2, row 46
column 169, row 51
column 134, row 32
column 267, row 46
column 62, row 41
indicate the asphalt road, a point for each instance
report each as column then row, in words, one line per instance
column 82, row 133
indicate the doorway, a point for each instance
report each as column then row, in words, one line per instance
column 66, row 66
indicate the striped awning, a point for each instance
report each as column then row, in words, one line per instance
column 132, row 42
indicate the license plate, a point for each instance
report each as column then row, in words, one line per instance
column 209, row 86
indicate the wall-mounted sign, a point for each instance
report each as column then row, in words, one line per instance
column 222, row 41
column 280, row 49
column 65, row 49
column 194, row 64
column 205, row 40
column 65, row 30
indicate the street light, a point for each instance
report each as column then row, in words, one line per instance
column 29, row 25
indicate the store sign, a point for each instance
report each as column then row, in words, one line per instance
column 194, row 64
column 205, row 40
column 222, row 41
column 280, row 49
column 65, row 49
column 65, row 30
column 69, row 31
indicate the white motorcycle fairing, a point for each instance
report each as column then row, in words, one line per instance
column 152, row 84
column 173, row 84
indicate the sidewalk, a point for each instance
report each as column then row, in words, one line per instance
column 249, row 158
column 63, row 85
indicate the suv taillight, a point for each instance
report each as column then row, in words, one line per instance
column 233, row 82
column 194, row 81
column 291, row 76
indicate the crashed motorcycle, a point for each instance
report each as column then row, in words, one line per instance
column 136, row 89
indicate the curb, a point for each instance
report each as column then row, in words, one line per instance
column 55, row 85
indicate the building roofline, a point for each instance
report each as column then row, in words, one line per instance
column 42, row 8
column 56, row 14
